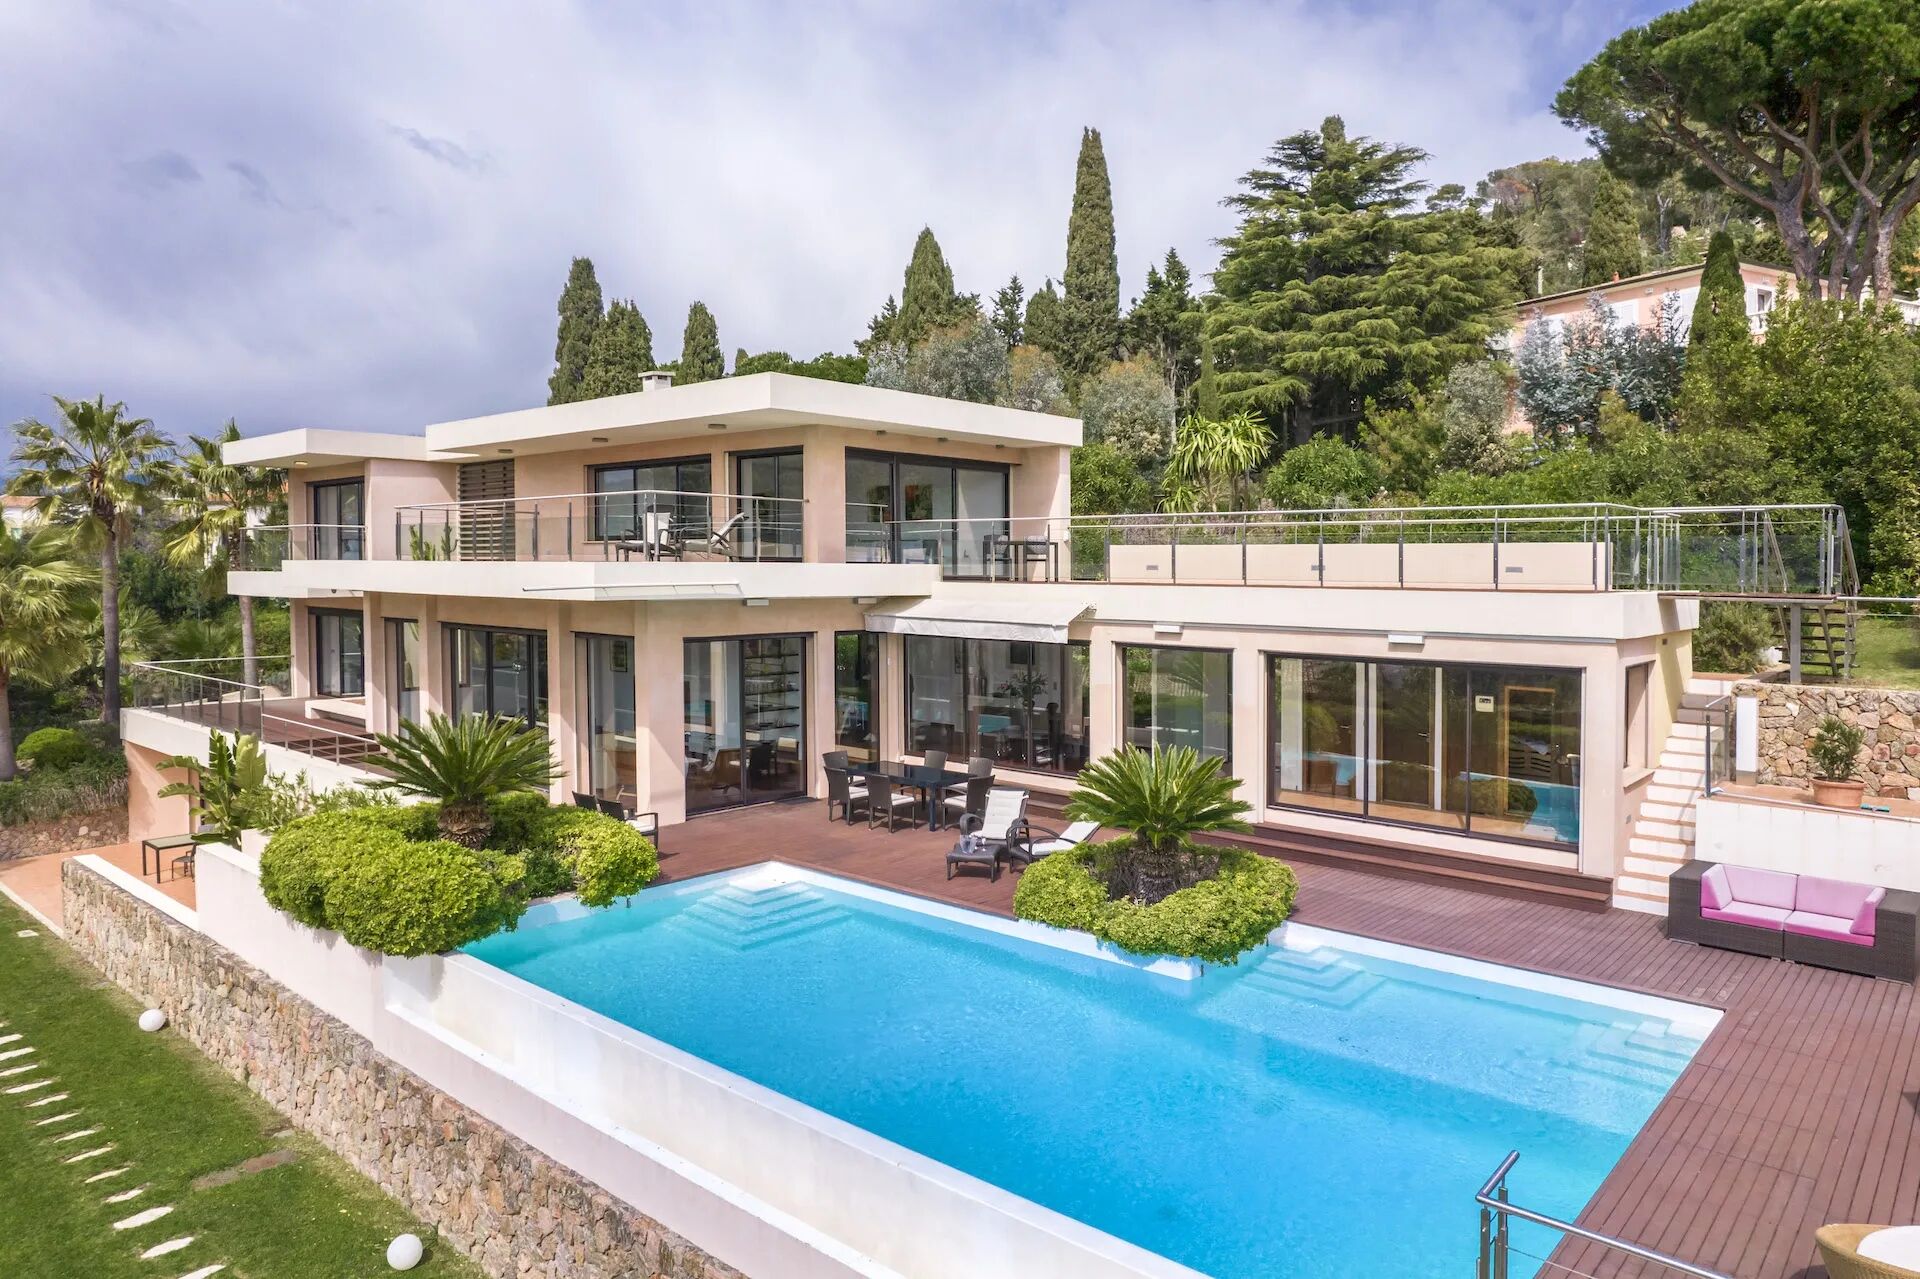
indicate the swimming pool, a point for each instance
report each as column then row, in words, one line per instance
column 1327, row 1107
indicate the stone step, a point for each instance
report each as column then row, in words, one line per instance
column 1695, row 760
column 1659, row 792
column 1672, row 776
column 1650, row 867
column 1642, row 887
column 1648, row 826
column 1657, row 810
column 1654, row 846
column 1684, row 731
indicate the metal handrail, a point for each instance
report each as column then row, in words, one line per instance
column 1723, row 706
column 532, row 498
column 1496, row 1208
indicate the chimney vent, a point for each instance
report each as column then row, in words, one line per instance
column 656, row 380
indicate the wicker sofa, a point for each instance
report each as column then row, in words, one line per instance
column 1808, row 919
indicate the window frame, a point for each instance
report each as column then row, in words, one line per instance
column 954, row 465
column 317, row 617
column 336, row 531
column 964, row 733
column 541, row 705
column 1120, row 685
column 597, row 522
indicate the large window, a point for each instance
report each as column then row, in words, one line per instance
column 403, row 660
column 677, row 487
column 923, row 510
column 1016, row 703
column 1489, row 750
column 1178, row 697
column 498, row 672
column 339, row 655
column 746, row 734
column 339, row 517
column 770, row 486
column 607, row 725
column 856, row 692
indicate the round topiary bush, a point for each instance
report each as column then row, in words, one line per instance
column 1214, row 920
column 421, row 898
column 305, row 856
column 53, row 748
column 606, row 858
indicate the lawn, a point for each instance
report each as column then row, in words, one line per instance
column 1887, row 652
column 171, row 1118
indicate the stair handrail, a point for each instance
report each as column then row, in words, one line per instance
column 1723, row 706
column 1496, row 1208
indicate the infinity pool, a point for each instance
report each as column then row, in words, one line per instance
column 1328, row 1107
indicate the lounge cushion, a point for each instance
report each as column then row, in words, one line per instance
column 1714, row 892
column 1763, row 887
column 1830, row 927
column 1748, row 913
column 1836, row 897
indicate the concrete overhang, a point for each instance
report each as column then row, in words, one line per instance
column 756, row 402
column 596, row 580
column 314, row 446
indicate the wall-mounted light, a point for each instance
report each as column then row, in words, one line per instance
column 301, row 462
column 503, row 450
column 758, row 603
column 716, row 426
column 1167, row 628
column 1406, row 641
column 939, row 439
column 599, row 439
column 879, row 432
column 864, row 600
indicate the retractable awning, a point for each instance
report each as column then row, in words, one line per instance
column 1040, row 622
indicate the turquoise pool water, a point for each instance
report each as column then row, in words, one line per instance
column 1309, row 1113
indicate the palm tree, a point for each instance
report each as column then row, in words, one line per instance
column 92, row 470
column 42, row 591
column 217, row 498
column 1163, row 798
column 1211, row 460
column 463, row 763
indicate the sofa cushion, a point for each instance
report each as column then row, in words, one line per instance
column 1830, row 927
column 1763, row 887
column 1830, row 896
column 1714, row 892
column 1752, row 913
column 1868, row 912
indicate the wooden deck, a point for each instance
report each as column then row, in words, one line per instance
column 1803, row 1107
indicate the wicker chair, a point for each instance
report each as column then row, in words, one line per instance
column 1838, row 1249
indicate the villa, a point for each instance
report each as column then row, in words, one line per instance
column 1479, row 732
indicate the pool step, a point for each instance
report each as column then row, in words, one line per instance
column 745, row 918
column 1644, row 1053
column 1314, row 976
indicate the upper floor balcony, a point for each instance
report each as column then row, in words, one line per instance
column 1763, row 551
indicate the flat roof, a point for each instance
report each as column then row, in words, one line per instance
column 322, row 447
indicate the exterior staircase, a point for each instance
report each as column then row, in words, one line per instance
column 1662, row 835
column 1822, row 648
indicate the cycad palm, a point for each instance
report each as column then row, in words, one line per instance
column 42, row 592
column 216, row 499
column 92, row 469
column 1164, row 798
column 463, row 763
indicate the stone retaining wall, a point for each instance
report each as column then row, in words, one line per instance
column 495, row 1198
column 1790, row 714
column 80, row 830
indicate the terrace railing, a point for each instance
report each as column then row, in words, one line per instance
column 637, row 524
column 266, row 548
column 213, row 693
column 1718, row 742
column 1497, row 1212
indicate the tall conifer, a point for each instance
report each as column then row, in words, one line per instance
column 1721, row 309
column 1092, row 312
column 579, row 320
column 622, row 350
column 1612, row 247
column 701, row 359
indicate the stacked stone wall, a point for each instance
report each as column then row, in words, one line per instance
column 1790, row 715
column 512, row 1209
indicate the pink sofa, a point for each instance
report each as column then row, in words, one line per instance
column 1805, row 918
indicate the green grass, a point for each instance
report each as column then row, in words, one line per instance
column 1887, row 652
column 174, row 1117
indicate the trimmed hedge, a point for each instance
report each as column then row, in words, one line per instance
column 1215, row 920
column 382, row 877
column 53, row 748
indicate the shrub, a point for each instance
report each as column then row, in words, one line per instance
column 305, row 856
column 1835, row 749
column 1214, row 920
column 422, row 898
column 518, row 818
column 47, row 794
column 605, row 859
column 1732, row 637
column 53, row 748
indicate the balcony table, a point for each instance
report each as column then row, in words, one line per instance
column 928, row 781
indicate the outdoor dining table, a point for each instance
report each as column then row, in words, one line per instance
column 928, row 781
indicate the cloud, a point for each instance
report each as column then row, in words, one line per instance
column 774, row 161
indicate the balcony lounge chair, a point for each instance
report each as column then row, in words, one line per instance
column 1839, row 1246
column 1856, row 928
column 997, row 832
column 720, row 540
column 1055, row 841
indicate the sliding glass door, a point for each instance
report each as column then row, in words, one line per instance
column 339, row 654
column 609, row 739
column 499, row 672
column 771, row 486
column 403, row 663
column 745, row 720
column 925, row 510
column 856, row 692
column 1179, row 697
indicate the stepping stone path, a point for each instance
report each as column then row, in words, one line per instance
column 24, row 1093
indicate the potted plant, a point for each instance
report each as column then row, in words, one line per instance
column 1832, row 752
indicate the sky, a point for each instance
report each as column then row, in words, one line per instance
column 359, row 215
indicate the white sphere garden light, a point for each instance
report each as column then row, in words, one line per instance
column 404, row 1252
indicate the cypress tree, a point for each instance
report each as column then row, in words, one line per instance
column 1721, row 309
column 1092, row 282
column 622, row 350
column 579, row 320
column 1043, row 326
column 1206, row 390
column 927, row 299
column 701, row 359
column 1612, row 247
column 1006, row 311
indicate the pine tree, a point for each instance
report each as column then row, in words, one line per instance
column 579, row 320
column 1612, row 247
column 1721, row 309
column 622, row 350
column 1006, row 311
column 1042, row 326
column 1091, row 318
column 701, row 359
column 1163, row 323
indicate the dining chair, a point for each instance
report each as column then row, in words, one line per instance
column 841, row 790
column 935, row 759
column 885, row 802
